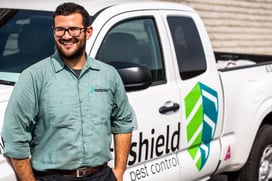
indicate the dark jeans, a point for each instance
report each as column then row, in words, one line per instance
column 105, row 174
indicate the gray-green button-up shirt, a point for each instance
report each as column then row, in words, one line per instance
column 64, row 121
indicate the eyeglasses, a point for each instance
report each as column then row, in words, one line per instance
column 73, row 31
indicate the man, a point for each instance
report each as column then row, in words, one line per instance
column 63, row 110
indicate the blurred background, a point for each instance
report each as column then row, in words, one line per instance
column 242, row 26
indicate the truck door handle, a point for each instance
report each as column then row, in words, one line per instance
column 165, row 109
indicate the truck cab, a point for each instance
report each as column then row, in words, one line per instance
column 179, row 116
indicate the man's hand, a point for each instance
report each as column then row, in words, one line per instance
column 118, row 174
column 121, row 149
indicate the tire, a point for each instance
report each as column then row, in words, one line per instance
column 259, row 164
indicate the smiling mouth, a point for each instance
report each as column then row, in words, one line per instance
column 68, row 42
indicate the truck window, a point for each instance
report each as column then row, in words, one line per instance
column 25, row 38
column 188, row 47
column 134, row 41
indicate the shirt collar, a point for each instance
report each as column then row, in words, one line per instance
column 59, row 65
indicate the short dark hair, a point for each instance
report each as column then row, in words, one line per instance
column 68, row 8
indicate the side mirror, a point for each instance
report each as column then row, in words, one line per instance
column 134, row 76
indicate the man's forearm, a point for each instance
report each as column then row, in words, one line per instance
column 23, row 169
column 122, row 144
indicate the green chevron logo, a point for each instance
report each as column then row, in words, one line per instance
column 201, row 112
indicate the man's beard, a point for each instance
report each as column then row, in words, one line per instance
column 74, row 55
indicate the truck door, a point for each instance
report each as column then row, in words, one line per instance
column 200, row 91
column 134, row 37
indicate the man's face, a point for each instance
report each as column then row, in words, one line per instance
column 71, row 47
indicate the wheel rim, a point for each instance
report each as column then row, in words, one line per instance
column 265, row 170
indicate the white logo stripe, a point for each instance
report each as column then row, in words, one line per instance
column 209, row 122
column 210, row 97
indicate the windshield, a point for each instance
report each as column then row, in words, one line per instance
column 25, row 38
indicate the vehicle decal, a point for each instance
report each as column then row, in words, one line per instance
column 156, row 144
column 201, row 113
column 228, row 154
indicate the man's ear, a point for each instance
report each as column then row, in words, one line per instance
column 89, row 32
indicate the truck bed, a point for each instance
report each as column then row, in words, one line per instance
column 246, row 78
column 230, row 61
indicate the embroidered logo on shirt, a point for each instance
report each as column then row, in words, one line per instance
column 92, row 89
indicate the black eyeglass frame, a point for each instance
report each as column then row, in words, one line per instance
column 69, row 30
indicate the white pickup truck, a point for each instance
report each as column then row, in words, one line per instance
column 198, row 113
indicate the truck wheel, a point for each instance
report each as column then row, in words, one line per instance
column 259, row 164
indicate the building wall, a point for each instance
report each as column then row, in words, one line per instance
column 241, row 26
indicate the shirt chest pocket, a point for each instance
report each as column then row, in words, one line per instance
column 61, row 111
column 101, row 106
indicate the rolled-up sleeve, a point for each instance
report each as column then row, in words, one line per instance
column 19, row 118
column 122, row 114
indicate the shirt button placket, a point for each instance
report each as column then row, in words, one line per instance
column 80, row 102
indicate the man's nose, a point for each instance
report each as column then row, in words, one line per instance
column 66, row 34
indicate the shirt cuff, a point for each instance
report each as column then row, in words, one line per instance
column 16, row 151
